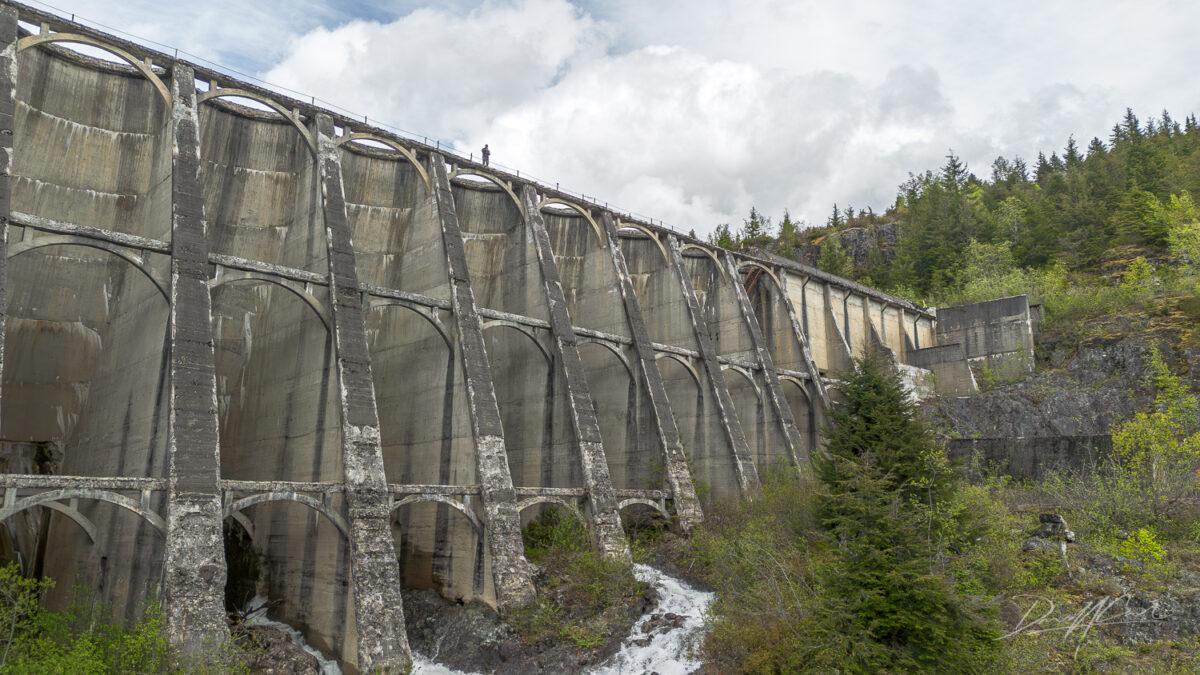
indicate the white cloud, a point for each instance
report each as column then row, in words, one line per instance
column 437, row 72
column 694, row 110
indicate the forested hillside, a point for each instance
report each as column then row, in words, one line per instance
column 1120, row 210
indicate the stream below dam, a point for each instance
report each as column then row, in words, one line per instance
column 662, row 641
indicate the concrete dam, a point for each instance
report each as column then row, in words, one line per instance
column 269, row 348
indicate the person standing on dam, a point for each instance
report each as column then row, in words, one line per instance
column 486, row 154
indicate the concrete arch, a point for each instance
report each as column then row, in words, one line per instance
column 626, row 503
column 686, row 364
column 89, row 528
column 50, row 497
column 238, row 276
column 806, row 420
column 47, row 38
column 334, row 517
column 408, row 154
column 578, row 209
column 441, row 499
column 244, row 520
column 746, row 373
column 648, row 232
column 610, row 347
column 69, row 240
column 771, row 273
column 800, row 384
column 570, row 507
column 499, row 183
column 289, row 115
column 712, row 255
column 427, row 313
column 523, row 330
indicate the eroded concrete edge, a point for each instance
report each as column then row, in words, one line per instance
column 511, row 573
column 378, row 607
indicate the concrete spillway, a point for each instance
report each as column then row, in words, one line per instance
column 270, row 350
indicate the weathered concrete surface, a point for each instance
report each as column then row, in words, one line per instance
column 1031, row 458
column 948, row 364
column 787, row 444
column 195, row 573
column 511, row 573
column 378, row 608
column 998, row 334
column 687, row 506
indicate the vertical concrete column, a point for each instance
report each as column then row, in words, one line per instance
column 815, row 383
column 194, row 574
column 607, row 535
column 747, row 473
column 783, row 413
column 8, row 89
column 687, row 506
column 511, row 573
column 378, row 609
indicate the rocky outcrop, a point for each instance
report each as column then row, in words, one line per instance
column 860, row 243
column 1067, row 410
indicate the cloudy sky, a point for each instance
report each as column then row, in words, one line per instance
column 693, row 111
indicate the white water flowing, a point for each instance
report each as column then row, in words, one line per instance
column 256, row 615
column 669, row 651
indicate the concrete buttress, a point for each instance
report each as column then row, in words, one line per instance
column 512, row 574
column 815, row 384
column 195, row 571
column 607, row 535
column 747, row 473
column 8, row 85
column 779, row 406
column 378, row 608
column 687, row 506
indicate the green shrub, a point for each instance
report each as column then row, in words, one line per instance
column 1143, row 547
column 578, row 584
column 1158, row 452
column 83, row 638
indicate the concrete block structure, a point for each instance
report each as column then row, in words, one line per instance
column 996, row 335
column 254, row 346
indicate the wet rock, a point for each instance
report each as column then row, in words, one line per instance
column 273, row 652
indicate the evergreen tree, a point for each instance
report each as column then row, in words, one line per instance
column 835, row 219
column 721, row 236
column 886, row 491
column 833, row 258
column 789, row 235
column 1071, row 154
column 756, row 228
